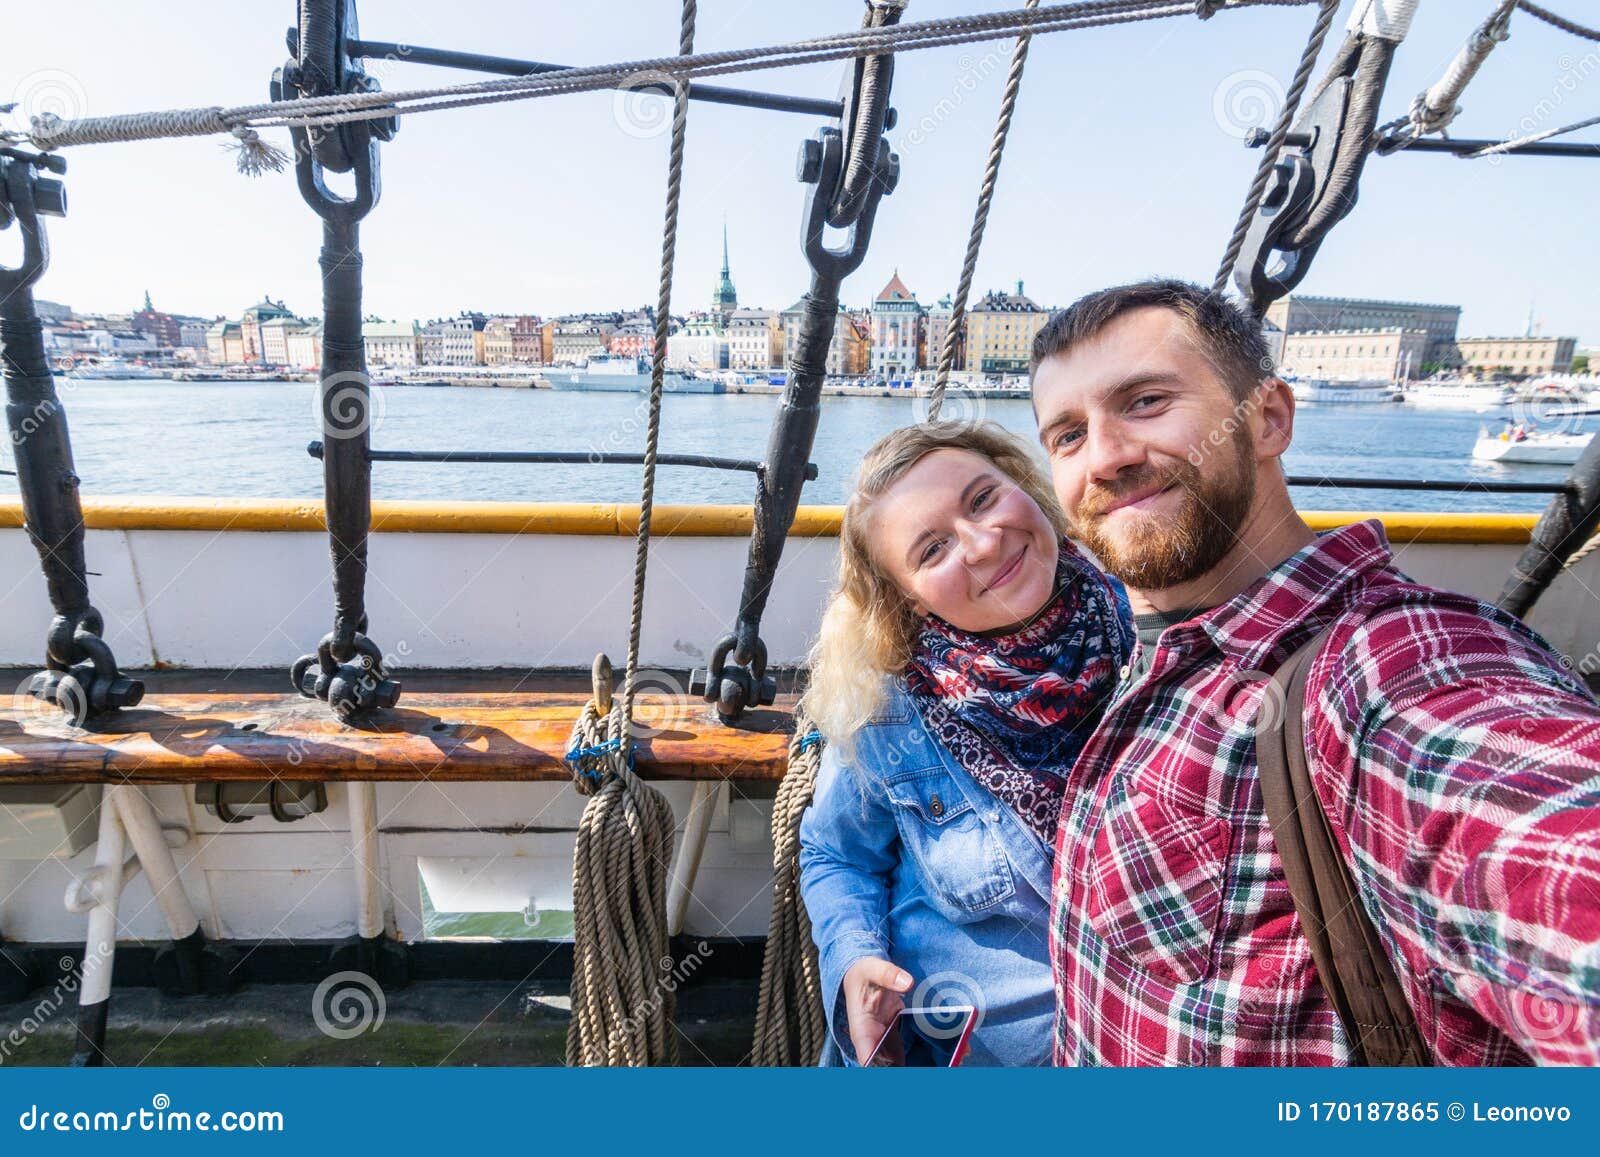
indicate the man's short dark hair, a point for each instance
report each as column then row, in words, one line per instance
column 1228, row 337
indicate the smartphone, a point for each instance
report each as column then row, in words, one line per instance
column 946, row 1022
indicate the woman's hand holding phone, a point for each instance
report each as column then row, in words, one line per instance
column 872, row 1000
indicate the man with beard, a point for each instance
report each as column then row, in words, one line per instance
column 1457, row 762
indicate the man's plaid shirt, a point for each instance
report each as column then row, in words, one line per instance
column 1459, row 765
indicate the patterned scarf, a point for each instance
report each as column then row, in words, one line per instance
column 1015, row 710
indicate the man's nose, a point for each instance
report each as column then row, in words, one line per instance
column 1111, row 450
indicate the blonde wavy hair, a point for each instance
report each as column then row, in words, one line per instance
column 869, row 626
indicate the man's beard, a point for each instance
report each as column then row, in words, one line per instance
column 1155, row 551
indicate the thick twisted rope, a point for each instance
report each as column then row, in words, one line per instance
column 1269, row 157
column 980, row 220
column 622, row 983
column 1435, row 107
column 790, row 1024
column 53, row 133
column 622, row 991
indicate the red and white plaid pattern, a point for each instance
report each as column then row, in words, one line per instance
column 1460, row 766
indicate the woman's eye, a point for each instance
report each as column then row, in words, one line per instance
column 931, row 550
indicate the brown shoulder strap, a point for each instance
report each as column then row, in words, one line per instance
column 1345, row 947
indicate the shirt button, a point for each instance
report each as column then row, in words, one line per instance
column 994, row 817
column 1126, row 670
column 936, row 807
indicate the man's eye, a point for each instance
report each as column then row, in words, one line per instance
column 1145, row 401
column 1067, row 439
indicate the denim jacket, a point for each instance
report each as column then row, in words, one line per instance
column 904, row 856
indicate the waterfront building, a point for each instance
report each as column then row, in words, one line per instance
column 576, row 339
column 225, row 343
column 1302, row 313
column 453, row 341
column 251, row 321
column 936, row 324
column 1513, row 357
column 1390, row 353
column 498, row 346
column 1000, row 332
column 849, row 351
column 275, row 339
column 303, row 345
column 527, row 340
column 394, row 343
column 895, row 326
column 698, row 344
column 162, row 328
column 51, row 310
column 634, row 338
column 750, row 334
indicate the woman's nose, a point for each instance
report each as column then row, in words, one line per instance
column 979, row 541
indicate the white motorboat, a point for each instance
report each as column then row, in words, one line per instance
column 1321, row 391
column 1458, row 396
column 1518, row 445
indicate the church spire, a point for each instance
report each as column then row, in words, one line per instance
column 726, row 298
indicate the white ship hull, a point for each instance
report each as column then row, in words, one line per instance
column 475, row 585
column 1474, row 398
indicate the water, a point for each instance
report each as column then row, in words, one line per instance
column 217, row 439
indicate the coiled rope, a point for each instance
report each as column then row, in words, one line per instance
column 980, row 220
column 790, row 1024
column 623, row 981
column 49, row 132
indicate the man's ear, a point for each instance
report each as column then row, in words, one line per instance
column 1274, row 417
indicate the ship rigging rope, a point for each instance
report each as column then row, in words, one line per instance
column 1269, row 157
column 1561, row 22
column 623, row 971
column 980, row 219
column 790, row 1022
column 1531, row 138
column 47, row 132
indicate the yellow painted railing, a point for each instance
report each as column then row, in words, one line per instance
column 584, row 518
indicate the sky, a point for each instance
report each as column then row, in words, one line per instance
column 1125, row 161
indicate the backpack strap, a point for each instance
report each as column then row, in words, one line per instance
column 1349, row 956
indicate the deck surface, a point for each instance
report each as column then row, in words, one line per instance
column 468, row 726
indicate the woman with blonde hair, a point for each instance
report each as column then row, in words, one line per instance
column 964, row 658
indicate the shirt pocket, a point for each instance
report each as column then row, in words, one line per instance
column 1156, row 884
column 962, row 865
